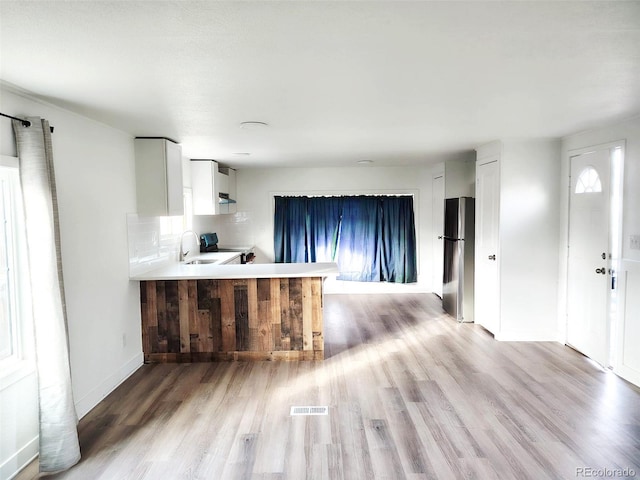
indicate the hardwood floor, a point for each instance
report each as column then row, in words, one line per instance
column 411, row 394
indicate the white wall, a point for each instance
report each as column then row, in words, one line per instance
column 460, row 177
column 627, row 363
column 528, row 237
column 529, row 226
column 94, row 167
column 256, row 188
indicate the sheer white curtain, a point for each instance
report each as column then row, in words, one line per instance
column 59, row 447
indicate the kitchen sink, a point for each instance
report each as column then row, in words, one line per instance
column 202, row 262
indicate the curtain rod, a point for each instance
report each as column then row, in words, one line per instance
column 25, row 123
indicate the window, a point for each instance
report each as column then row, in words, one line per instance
column 588, row 181
column 11, row 237
column 172, row 226
column 370, row 237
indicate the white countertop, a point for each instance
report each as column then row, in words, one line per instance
column 181, row 271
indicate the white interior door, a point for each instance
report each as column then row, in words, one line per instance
column 487, row 294
column 438, row 232
column 589, row 278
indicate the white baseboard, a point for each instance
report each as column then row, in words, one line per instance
column 528, row 336
column 89, row 401
column 14, row 464
column 629, row 374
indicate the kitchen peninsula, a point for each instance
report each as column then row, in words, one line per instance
column 223, row 312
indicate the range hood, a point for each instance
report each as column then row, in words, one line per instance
column 223, row 199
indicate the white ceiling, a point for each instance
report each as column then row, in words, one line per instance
column 337, row 82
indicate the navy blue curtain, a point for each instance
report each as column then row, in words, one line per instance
column 398, row 240
column 290, row 232
column 323, row 227
column 372, row 238
column 359, row 243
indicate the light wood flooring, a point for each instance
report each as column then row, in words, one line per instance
column 411, row 394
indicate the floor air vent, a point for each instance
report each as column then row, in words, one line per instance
column 309, row 411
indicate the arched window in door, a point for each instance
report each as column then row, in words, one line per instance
column 588, row 181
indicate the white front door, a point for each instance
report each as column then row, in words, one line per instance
column 437, row 202
column 589, row 278
column 487, row 293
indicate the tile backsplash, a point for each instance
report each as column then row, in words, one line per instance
column 153, row 241
column 233, row 229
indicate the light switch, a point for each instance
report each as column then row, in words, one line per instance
column 634, row 242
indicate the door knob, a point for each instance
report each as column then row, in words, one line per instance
column 601, row 270
column 439, row 237
column 492, row 257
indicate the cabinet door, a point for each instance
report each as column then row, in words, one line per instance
column 487, row 286
column 205, row 198
column 158, row 177
column 175, row 203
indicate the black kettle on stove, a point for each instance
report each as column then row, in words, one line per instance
column 208, row 242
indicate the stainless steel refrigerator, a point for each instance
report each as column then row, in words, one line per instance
column 459, row 239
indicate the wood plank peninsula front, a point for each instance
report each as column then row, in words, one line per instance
column 233, row 312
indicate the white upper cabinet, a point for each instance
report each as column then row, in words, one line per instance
column 158, row 177
column 214, row 188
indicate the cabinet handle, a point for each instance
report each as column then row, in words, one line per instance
column 601, row 270
column 492, row 257
column 439, row 237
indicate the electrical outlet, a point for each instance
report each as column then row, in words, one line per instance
column 634, row 242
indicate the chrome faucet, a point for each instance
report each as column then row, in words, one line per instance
column 183, row 254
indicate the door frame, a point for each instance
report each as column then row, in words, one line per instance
column 615, row 240
column 437, row 288
column 485, row 160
